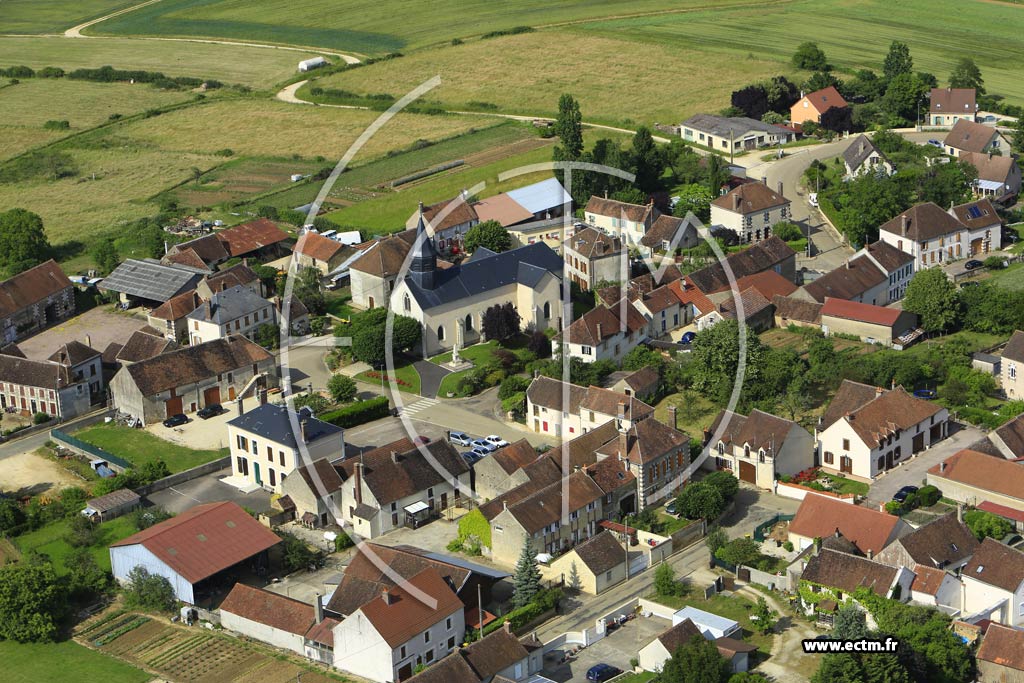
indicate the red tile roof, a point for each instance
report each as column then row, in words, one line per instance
column 768, row 283
column 1002, row 510
column 249, row 237
column 317, row 246
column 983, row 471
column 204, row 540
column 412, row 607
column 826, row 98
column 928, row 580
column 177, row 307
column 1004, row 646
column 687, row 293
column 819, row 516
column 853, row 310
column 272, row 609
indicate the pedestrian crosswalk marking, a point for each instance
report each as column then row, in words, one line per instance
column 420, row 405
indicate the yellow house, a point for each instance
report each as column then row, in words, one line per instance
column 599, row 562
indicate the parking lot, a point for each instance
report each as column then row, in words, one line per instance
column 208, row 489
column 616, row 649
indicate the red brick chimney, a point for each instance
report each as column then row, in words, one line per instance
column 673, row 417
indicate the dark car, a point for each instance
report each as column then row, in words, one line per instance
column 928, row 394
column 687, row 338
column 175, row 420
column 212, row 410
column 902, row 494
column 671, row 508
column 935, row 143
column 973, row 263
column 602, row 672
column 969, row 283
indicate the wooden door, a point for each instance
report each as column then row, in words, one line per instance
column 846, row 464
column 173, row 405
column 748, row 472
column 211, row 396
column 231, row 393
column 918, row 442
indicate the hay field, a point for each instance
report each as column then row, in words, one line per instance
column 253, row 66
column 272, row 128
column 367, row 26
column 25, row 107
column 54, row 16
column 616, row 81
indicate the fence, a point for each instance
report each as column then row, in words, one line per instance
column 182, row 477
column 87, row 449
column 761, row 529
column 799, row 492
column 772, row 581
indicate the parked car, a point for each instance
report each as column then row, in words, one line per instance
column 496, row 440
column 485, row 445
column 471, row 457
column 460, row 438
column 902, row 494
column 175, row 420
column 935, row 143
column 688, row 338
column 973, row 263
column 928, row 394
column 212, row 410
column 421, row 440
column 812, row 199
column 480, row 452
column 602, row 672
column 671, row 508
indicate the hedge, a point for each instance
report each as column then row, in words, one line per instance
column 545, row 601
column 358, row 413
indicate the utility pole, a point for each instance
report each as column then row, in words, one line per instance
column 480, row 605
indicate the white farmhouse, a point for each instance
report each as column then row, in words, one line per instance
column 750, row 211
column 993, row 584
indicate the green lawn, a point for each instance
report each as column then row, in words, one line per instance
column 845, row 485
column 140, row 447
column 693, row 411
column 637, row 677
column 734, row 607
column 63, row 662
column 480, row 354
column 404, row 371
column 338, row 303
column 49, row 540
column 1010, row 278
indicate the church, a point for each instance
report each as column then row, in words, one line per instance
column 450, row 302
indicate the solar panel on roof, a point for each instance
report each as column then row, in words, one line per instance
column 974, row 212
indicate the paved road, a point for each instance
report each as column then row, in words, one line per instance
column 912, row 472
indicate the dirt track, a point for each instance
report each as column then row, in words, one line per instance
column 31, row 474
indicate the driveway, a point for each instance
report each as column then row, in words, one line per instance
column 97, row 327
column 616, row 649
column 754, row 507
column 912, row 472
column 431, row 375
column 201, row 434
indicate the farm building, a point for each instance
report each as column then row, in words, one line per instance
column 34, row 300
column 185, row 380
column 190, row 550
column 871, row 324
column 313, row 63
column 151, row 283
column 260, row 239
column 279, row 621
column 114, row 504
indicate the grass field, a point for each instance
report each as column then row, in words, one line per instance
column 694, row 412
column 404, row 372
column 62, row 662
column 49, row 540
column 252, row 66
column 733, row 607
column 853, row 33
column 27, row 106
column 615, row 80
column 54, row 16
column 1009, row 278
column 365, row 26
column 140, row 447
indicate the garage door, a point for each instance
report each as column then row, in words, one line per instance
column 211, row 396
column 173, row 406
column 748, row 472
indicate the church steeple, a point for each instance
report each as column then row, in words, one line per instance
column 424, row 258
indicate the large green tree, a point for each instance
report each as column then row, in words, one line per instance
column 700, row 500
column 32, row 600
column 696, row 198
column 868, row 203
column 569, row 129
column 716, row 356
column 665, row 584
column 810, row 57
column 934, row 299
column 966, row 74
column 839, row 668
column 104, row 254
column 489, row 234
column 850, row 623
column 897, row 61
column 904, row 96
column 986, row 525
column 310, row 291
column 342, row 388
column 526, row 579
column 647, row 160
column 698, row 661
column 23, row 242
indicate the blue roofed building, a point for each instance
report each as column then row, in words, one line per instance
column 450, row 302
